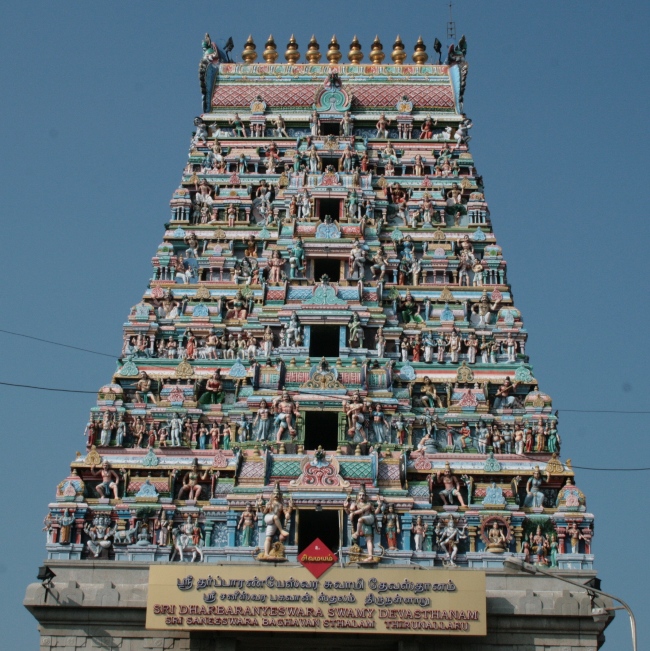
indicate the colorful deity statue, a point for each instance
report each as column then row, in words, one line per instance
column 277, row 517
column 363, row 519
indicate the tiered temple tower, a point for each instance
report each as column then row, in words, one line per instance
column 328, row 348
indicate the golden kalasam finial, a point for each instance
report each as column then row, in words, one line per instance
column 249, row 54
column 398, row 55
column 313, row 53
column 420, row 55
column 270, row 54
column 334, row 52
column 376, row 51
column 355, row 55
column 292, row 54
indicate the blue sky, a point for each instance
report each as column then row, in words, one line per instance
column 97, row 107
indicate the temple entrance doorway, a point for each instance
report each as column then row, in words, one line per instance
column 321, row 428
column 329, row 266
column 314, row 524
column 324, row 341
column 331, row 207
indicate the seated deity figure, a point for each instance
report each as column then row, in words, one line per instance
column 534, row 494
column 214, row 393
column 110, row 480
column 191, row 486
column 451, row 485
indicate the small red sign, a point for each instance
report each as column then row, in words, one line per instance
column 317, row 558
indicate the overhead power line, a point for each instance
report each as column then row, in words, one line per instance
column 56, row 343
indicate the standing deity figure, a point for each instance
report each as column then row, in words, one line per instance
column 267, row 341
column 363, row 518
column 280, row 127
column 381, row 342
column 164, row 529
column 296, row 258
column 314, row 125
column 175, row 427
column 455, row 342
column 107, row 428
column 419, row 532
column 451, row 486
column 90, row 432
column 534, row 494
column 540, row 546
column 511, row 349
column 382, row 126
column 191, row 485
column 472, row 347
column 356, row 332
column 65, row 523
column 277, row 517
column 401, row 431
column 575, row 536
column 449, row 540
column 293, row 331
column 391, row 527
column 356, row 260
column 347, row 125
column 346, row 163
column 380, row 426
column 313, row 161
column 305, row 206
column 484, row 347
column 110, row 480
column 262, row 422
column 441, row 344
column 286, row 413
column 246, row 525
column 120, row 434
column 426, row 209
column 355, row 411
column 427, row 346
column 552, row 438
column 482, row 437
column 275, row 264
column 519, row 438
column 238, row 126
column 477, row 269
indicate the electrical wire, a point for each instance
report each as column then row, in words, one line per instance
column 29, row 386
column 56, row 343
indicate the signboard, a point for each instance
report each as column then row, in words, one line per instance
column 343, row 600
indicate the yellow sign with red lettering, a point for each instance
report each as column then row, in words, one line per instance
column 353, row 600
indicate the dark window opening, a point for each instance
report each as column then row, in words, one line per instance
column 321, row 428
column 329, row 266
column 329, row 128
column 318, row 524
column 334, row 162
column 331, row 207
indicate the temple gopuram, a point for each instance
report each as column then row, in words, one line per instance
column 324, row 429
